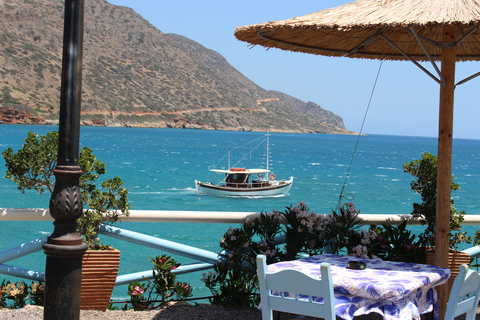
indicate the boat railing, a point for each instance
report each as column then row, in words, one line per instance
column 204, row 259
column 245, row 185
column 253, row 184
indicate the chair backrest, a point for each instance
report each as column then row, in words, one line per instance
column 294, row 291
column 464, row 295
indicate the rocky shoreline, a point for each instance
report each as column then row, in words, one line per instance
column 9, row 115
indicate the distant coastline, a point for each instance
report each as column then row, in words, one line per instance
column 10, row 115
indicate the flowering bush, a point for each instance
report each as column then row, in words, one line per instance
column 396, row 243
column 136, row 291
column 342, row 232
column 164, row 286
column 20, row 294
column 234, row 280
column 37, row 293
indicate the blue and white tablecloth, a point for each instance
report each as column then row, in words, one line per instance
column 395, row 290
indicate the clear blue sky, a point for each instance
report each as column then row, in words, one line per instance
column 405, row 101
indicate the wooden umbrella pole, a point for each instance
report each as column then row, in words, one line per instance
column 445, row 132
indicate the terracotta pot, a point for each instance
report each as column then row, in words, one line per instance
column 455, row 260
column 99, row 273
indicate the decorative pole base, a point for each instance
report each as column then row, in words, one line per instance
column 64, row 248
column 63, row 274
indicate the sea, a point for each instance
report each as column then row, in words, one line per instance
column 159, row 167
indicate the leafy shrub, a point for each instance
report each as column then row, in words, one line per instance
column 153, row 293
column 32, row 167
column 424, row 172
column 20, row 294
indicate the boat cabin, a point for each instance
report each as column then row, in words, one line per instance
column 238, row 178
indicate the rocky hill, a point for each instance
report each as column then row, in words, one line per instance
column 135, row 75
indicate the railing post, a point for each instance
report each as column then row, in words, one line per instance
column 64, row 248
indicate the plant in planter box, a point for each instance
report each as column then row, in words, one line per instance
column 107, row 203
column 32, row 168
column 424, row 172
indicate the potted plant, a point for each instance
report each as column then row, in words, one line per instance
column 32, row 168
column 424, row 172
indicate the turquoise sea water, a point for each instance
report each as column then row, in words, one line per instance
column 159, row 166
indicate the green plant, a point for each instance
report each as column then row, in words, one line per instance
column 302, row 232
column 164, row 280
column 396, row 243
column 20, row 294
column 37, row 293
column 144, row 296
column 106, row 203
column 342, row 231
column 182, row 290
column 32, row 168
column 136, row 291
column 424, row 172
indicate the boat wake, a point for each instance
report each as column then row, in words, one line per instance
column 188, row 190
column 246, row 197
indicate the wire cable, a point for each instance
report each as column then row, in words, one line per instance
column 350, row 196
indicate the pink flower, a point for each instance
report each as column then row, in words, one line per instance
column 137, row 291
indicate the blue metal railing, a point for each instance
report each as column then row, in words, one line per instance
column 207, row 259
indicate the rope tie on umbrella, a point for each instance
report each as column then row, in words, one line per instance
column 350, row 196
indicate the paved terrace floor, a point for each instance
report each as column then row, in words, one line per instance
column 177, row 312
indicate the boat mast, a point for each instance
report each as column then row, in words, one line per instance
column 268, row 135
column 229, row 156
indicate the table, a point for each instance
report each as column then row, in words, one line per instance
column 396, row 290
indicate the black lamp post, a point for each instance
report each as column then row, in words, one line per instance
column 64, row 248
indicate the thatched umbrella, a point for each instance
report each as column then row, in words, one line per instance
column 415, row 30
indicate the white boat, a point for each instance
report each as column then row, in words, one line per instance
column 239, row 181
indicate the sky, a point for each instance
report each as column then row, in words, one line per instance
column 404, row 102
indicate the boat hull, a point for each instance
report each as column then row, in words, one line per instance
column 281, row 188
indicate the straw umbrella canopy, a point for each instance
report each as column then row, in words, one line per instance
column 414, row 30
column 374, row 29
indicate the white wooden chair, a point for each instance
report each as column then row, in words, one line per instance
column 295, row 282
column 464, row 295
